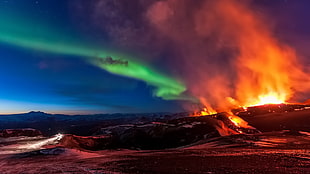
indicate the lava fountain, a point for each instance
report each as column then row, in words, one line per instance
column 258, row 69
column 263, row 70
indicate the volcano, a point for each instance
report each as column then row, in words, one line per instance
column 232, row 68
column 277, row 135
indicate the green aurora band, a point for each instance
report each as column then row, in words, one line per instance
column 34, row 35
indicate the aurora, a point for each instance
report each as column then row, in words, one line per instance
column 35, row 35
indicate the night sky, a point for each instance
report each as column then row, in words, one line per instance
column 49, row 53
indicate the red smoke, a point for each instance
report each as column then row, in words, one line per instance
column 230, row 57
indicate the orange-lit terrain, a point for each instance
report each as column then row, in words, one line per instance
column 221, row 142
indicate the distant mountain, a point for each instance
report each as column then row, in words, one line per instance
column 51, row 124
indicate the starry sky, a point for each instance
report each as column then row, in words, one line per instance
column 53, row 55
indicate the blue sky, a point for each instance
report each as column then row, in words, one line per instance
column 38, row 80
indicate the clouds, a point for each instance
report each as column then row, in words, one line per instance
column 211, row 45
column 197, row 43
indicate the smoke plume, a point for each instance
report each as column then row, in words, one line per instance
column 224, row 50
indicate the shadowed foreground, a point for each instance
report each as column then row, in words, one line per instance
column 274, row 151
column 223, row 160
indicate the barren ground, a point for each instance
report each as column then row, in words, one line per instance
column 269, row 152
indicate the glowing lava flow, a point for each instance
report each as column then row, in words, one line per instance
column 269, row 99
column 239, row 122
column 207, row 111
column 261, row 69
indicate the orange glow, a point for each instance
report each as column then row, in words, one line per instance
column 204, row 112
column 239, row 122
column 230, row 54
column 207, row 110
column 264, row 67
column 263, row 70
column 269, row 99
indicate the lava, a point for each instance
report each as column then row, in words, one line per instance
column 271, row 98
column 260, row 70
column 207, row 111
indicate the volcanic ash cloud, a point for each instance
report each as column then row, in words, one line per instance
column 230, row 57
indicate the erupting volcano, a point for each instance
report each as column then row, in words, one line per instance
column 154, row 86
column 261, row 69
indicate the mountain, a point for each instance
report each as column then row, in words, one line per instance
column 51, row 124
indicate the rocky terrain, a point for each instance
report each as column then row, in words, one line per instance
column 170, row 144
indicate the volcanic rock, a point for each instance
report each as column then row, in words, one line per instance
column 269, row 108
column 86, row 142
column 49, row 151
column 20, row 132
column 52, row 151
column 154, row 135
